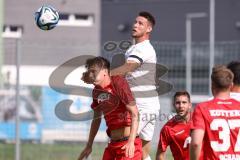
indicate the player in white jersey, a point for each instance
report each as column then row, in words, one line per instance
column 141, row 59
column 234, row 66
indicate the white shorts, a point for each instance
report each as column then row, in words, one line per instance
column 147, row 121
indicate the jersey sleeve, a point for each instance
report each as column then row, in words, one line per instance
column 197, row 119
column 94, row 100
column 164, row 140
column 136, row 56
column 139, row 55
column 123, row 90
column 94, row 104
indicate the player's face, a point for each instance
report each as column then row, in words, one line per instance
column 141, row 27
column 100, row 77
column 182, row 106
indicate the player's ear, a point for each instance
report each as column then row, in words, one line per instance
column 149, row 29
column 190, row 105
column 231, row 86
column 213, row 88
column 106, row 72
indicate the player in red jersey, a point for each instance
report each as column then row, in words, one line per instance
column 112, row 97
column 176, row 132
column 216, row 123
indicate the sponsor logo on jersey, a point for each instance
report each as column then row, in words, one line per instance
column 103, row 97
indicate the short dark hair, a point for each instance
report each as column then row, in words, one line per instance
column 181, row 93
column 97, row 63
column 234, row 66
column 148, row 16
column 221, row 77
column 100, row 62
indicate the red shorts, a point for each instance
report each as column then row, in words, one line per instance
column 114, row 151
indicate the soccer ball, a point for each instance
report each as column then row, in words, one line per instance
column 46, row 17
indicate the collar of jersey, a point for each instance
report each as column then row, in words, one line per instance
column 145, row 41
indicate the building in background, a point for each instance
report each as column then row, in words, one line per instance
column 41, row 52
column 78, row 31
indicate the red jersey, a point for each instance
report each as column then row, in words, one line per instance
column 175, row 134
column 220, row 119
column 112, row 101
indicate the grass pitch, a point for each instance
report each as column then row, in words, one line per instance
column 55, row 151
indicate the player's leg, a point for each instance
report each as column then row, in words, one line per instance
column 146, row 145
column 147, row 123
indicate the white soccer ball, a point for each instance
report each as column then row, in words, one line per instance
column 46, row 17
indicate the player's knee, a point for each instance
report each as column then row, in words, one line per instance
column 145, row 154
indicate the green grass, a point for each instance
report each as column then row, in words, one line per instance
column 57, row 151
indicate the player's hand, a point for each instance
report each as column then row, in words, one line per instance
column 85, row 153
column 129, row 149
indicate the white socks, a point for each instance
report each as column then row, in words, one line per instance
column 148, row 158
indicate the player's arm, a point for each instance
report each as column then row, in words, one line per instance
column 163, row 143
column 196, row 143
column 128, row 99
column 93, row 131
column 129, row 147
column 94, row 127
column 129, row 66
column 132, row 108
column 126, row 96
column 197, row 133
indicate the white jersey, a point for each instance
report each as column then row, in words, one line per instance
column 235, row 95
column 142, row 80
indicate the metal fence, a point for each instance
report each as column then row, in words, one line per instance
column 173, row 55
